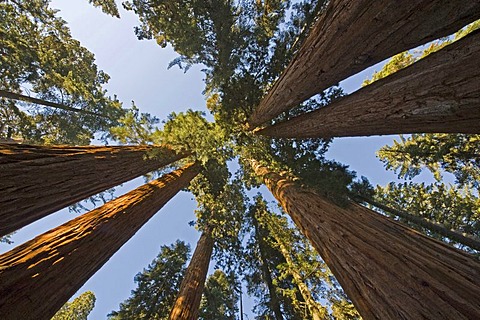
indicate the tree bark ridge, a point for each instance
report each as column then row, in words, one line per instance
column 437, row 94
column 389, row 271
column 36, row 181
column 187, row 304
column 38, row 277
column 352, row 35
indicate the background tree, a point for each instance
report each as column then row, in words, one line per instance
column 78, row 309
column 157, row 285
column 220, row 299
column 456, row 206
column 40, row 58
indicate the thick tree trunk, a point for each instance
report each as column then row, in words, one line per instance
column 187, row 305
column 38, row 277
column 36, row 181
column 267, row 276
column 464, row 239
column 21, row 97
column 355, row 34
column 437, row 94
column 389, row 271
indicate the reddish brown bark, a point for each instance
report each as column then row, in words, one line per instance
column 187, row 305
column 36, row 181
column 438, row 94
column 38, row 277
column 389, row 271
column 355, row 34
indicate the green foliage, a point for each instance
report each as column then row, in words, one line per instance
column 191, row 132
column 157, row 286
column 243, row 45
column 397, row 62
column 300, row 276
column 219, row 300
column 78, row 309
column 457, row 209
column 134, row 127
column 458, row 154
column 107, row 6
column 404, row 59
column 221, row 206
column 40, row 57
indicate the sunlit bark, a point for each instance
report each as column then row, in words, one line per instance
column 38, row 277
column 36, row 181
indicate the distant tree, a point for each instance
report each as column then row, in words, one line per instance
column 157, row 286
column 219, row 300
column 458, row 154
column 78, row 309
column 41, row 59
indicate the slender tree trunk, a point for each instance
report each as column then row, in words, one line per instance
column 316, row 310
column 38, row 277
column 36, row 181
column 437, row 94
column 187, row 305
column 463, row 239
column 352, row 35
column 267, row 276
column 389, row 271
column 21, row 97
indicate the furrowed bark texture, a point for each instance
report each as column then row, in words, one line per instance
column 36, row 181
column 437, row 94
column 187, row 305
column 38, row 277
column 355, row 34
column 389, row 271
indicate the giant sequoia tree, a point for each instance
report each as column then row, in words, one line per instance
column 387, row 269
column 35, row 284
column 30, row 173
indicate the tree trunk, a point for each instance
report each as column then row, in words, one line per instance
column 187, row 305
column 389, row 271
column 437, row 94
column 36, row 181
column 21, row 97
column 352, row 35
column 38, row 277
column 464, row 239
column 267, row 276
column 316, row 310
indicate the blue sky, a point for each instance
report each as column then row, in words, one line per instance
column 138, row 71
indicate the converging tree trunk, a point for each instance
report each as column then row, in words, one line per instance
column 437, row 94
column 187, row 305
column 21, row 97
column 36, row 181
column 38, row 277
column 352, row 35
column 389, row 271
